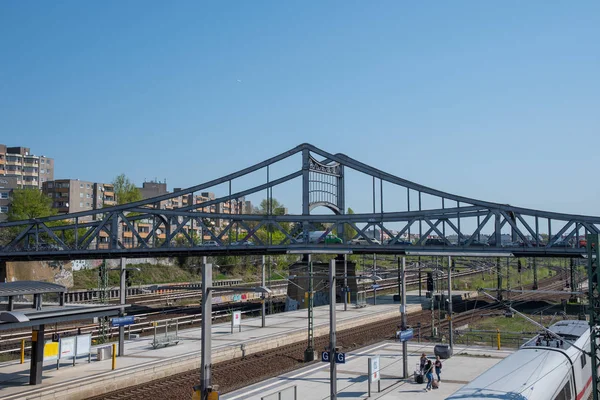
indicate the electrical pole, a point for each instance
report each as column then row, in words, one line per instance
column 499, row 278
column 309, row 353
column 535, row 277
column 345, row 291
column 574, row 287
column 450, row 333
column 262, row 282
column 404, row 317
column 103, row 298
column 206, row 356
column 332, row 334
column 593, row 258
column 122, row 293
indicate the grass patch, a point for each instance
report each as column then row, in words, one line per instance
column 149, row 274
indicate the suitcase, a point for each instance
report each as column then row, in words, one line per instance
column 419, row 378
column 435, row 384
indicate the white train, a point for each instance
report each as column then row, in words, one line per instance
column 544, row 368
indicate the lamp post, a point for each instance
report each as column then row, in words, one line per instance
column 404, row 318
column 332, row 333
column 206, row 333
column 122, row 298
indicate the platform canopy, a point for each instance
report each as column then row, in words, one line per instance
column 25, row 318
column 21, row 288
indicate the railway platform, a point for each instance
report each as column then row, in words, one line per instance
column 312, row 382
column 142, row 363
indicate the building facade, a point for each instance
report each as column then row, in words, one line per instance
column 19, row 169
column 73, row 195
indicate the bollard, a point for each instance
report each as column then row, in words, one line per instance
column 114, row 356
column 498, row 337
column 22, row 351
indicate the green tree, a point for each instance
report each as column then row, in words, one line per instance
column 273, row 207
column 125, row 190
column 28, row 204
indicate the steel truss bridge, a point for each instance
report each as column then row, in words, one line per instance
column 145, row 229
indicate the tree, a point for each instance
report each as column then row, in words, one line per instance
column 28, row 204
column 125, row 190
column 273, row 207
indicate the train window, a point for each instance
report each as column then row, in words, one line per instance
column 583, row 360
column 564, row 393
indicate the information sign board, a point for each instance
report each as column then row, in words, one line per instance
column 50, row 351
column 67, row 347
column 83, row 345
column 340, row 358
column 374, row 369
column 122, row 321
column 405, row 335
column 236, row 318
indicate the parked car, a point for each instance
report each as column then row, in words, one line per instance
column 399, row 242
column 435, row 242
column 561, row 243
column 363, row 241
column 210, row 243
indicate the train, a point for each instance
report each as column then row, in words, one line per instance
column 544, row 368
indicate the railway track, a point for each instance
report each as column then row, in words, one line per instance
column 234, row 374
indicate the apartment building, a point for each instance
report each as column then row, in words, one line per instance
column 20, row 169
column 29, row 170
column 73, row 195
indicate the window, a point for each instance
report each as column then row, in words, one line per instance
column 81, row 204
column 81, row 195
column 81, row 185
column 50, row 185
column 87, row 195
column 564, row 393
column 3, row 209
column 4, row 195
column 87, row 204
column 88, row 185
column 43, row 161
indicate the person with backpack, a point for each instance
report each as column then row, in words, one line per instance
column 438, row 368
column 429, row 374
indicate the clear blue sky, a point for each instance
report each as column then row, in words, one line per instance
column 493, row 100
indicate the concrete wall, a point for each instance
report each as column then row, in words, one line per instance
column 58, row 272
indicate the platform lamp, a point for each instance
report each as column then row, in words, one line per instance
column 123, row 283
column 206, row 391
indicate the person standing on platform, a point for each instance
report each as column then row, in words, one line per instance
column 438, row 367
column 429, row 374
column 422, row 363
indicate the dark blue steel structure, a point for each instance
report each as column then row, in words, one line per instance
column 100, row 233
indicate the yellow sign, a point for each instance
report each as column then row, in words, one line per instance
column 196, row 395
column 34, row 336
column 50, row 351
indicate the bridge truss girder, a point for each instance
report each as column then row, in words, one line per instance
column 142, row 227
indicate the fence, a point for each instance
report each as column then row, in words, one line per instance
column 490, row 338
column 289, row 393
